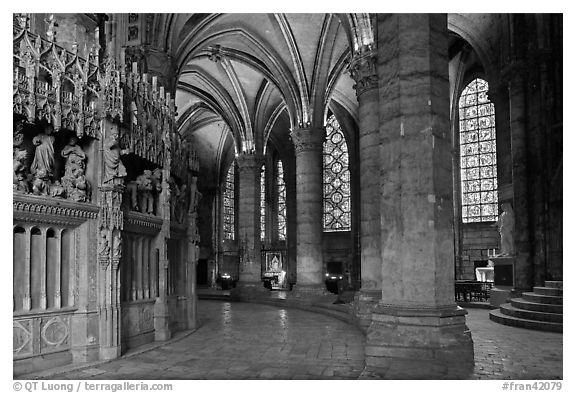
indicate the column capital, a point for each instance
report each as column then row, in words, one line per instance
column 247, row 161
column 308, row 139
column 363, row 70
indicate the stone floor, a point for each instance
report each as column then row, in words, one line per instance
column 250, row 341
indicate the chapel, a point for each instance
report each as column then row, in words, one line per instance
column 393, row 165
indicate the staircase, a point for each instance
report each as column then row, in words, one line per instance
column 539, row 310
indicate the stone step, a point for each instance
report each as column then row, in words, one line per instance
column 526, row 305
column 536, row 298
column 497, row 316
column 213, row 296
column 547, row 291
column 553, row 284
column 509, row 309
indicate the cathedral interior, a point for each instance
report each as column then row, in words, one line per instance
column 399, row 175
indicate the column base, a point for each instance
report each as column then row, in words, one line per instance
column 365, row 301
column 419, row 343
column 315, row 293
column 85, row 354
column 191, row 312
column 109, row 353
column 249, row 290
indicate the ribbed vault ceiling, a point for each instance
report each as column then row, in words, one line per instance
column 253, row 76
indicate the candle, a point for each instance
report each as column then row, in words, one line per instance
column 134, row 67
column 154, row 81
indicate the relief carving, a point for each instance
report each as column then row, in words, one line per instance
column 114, row 170
column 195, row 196
column 20, row 182
column 104, row 248
column 179, row 196
column 55, row 332
column 145, row 191
column 21, row 337
column 74, row 181
column 42, row 167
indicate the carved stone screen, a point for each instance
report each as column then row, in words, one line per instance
column 478, row 154
column 229, row 205
column 281, row 202
column 336, row 179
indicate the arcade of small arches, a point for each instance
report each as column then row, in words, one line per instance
column 273, row 152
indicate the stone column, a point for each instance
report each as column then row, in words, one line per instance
column 110, row 223
column 249, row 166
column 191, row 263
column 363, row 70
column 162, row 330
column 417, row 330
column 523, row 263
column 308, row 143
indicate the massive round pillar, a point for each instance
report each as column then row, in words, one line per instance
column 249, row 166
column 363, row 71
column 308, row 143
column 417, row 330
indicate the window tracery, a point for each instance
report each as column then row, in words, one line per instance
column 263, row 202
column 281, row 187
column 336, row 179
column 229, row 205
column 479, row 185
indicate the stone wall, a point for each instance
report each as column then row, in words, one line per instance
column 477, row 239
column 337, row 247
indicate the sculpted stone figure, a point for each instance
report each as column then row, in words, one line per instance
column 114, row 170
column 195, row 195
column 174, row 195
column 43, row 164
column 18, row 136
column 20, row 182
column 505, row 225
column 104, row 245
column 117, row 250
column 73, row 152
column 19, row 159
column 41, row 183
column 74, row 180
column 57, row 190
column 181, row 204
column 144, row 191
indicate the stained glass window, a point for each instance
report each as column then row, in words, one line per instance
column 229, row 205
column 336, row 179
column 281, row 202
column 478, row 154
column 263, row 203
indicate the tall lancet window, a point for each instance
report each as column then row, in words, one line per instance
column 229, row 204
column 263, row 202
column 281, row 201
column 478, row 154
column 336, row 179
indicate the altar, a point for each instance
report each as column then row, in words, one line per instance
column 485, row 274
column 274, row 275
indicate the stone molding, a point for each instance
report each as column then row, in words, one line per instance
column 308, row 139
column 363, row 71
column 40, row 209
column 142, row 223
